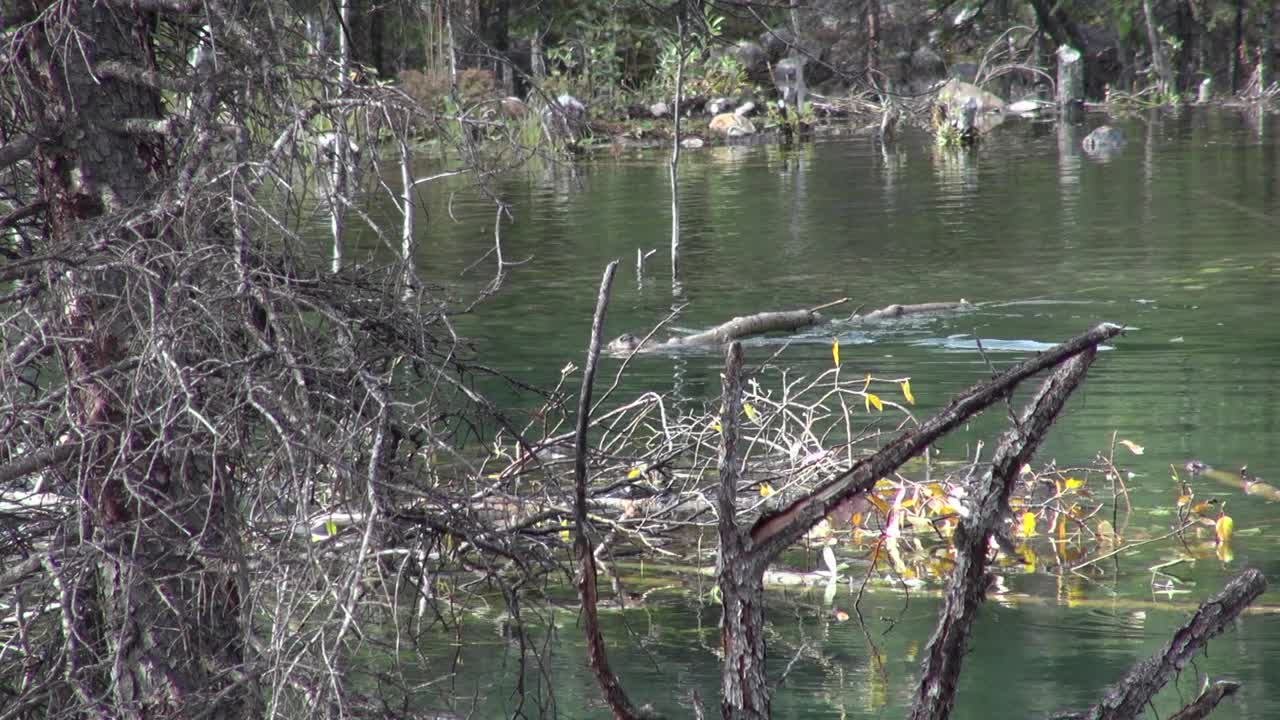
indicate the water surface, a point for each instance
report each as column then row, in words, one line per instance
column 1175, row 237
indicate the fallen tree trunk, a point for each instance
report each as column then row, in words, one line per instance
column 723, row 334
column 767, row 322
column 890, row 312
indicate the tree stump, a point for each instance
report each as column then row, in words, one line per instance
column 1070, row 76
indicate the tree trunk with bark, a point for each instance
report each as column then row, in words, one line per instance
column 739, row 576
column 873, row 42
column 156, row 629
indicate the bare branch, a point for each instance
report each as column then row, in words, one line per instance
column 184, row 7
column 36, row 461
column 1129, row 697
column 22, row 213
column 598, row 659
column 117, row 70
column 149, row 126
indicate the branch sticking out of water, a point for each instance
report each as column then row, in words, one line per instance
column 967, row 586
column 1129, row 697
column 619, row 703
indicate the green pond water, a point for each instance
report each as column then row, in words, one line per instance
column 1178, row 236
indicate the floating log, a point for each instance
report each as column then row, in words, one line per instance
column 767, row 322
column 891, row 312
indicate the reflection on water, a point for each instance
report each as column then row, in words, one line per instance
column 1030, row 656
column 1174, row 236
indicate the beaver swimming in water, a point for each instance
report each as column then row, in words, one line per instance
column 624, row 344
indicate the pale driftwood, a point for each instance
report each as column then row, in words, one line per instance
column 735, row 329
column 767, row 322
column 890, row 312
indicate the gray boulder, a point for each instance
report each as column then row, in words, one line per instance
column 1104, row 140
column 753, row 59
column 777, row 44
column 927, row 64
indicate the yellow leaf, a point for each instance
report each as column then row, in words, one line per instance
column 835, row 351
column 880, row 503
column 715, row 425
column 564, row 534
column 1028, row 524
column 1134, row 447
column 906, row 391
column 1183, row 500
column 766, row 489
column 873, row 399
column 1225, row 528
column 331, row 527
column 1225, row 553
column 1074, row 483
column 1106, row 533
column 752, row 413
column 636, row 471
column 1029, row 561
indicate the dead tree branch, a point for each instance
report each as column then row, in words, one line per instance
column 598, row 659
column 966, row 588
column 1129, row 698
